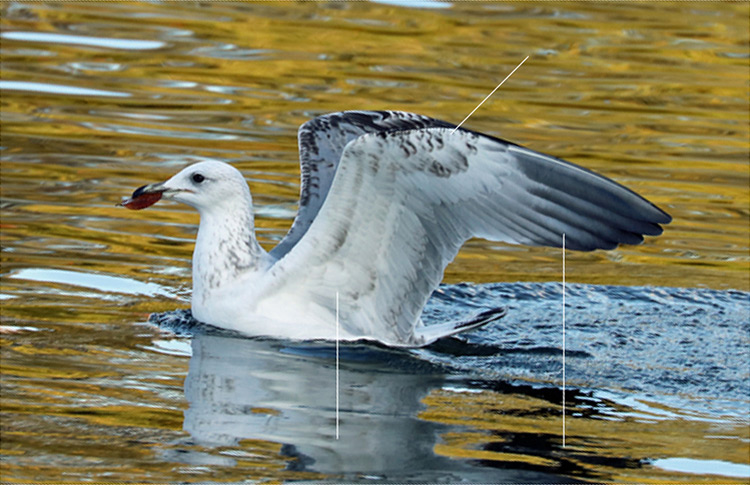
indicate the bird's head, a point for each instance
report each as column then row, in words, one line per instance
column 206, row 186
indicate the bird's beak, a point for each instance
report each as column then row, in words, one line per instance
column 144, row 196
column 150, row 189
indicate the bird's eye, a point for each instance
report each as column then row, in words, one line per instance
column 198, row 178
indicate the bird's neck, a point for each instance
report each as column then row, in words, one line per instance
column 225, row 249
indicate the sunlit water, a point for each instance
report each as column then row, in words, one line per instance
column 100, row 98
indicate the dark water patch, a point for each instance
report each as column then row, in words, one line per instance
column 688, row 343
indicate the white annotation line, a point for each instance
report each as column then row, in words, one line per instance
column 563, row 340
column 488, row 96
column 337, row 365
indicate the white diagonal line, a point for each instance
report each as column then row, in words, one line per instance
column 488, row 96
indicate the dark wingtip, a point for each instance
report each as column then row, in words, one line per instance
column 659, row 215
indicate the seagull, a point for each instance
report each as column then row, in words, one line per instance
column 387, row 199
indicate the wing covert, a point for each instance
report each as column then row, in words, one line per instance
column 403, row 203
column 321, row 143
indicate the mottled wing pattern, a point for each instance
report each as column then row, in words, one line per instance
column 403, row 203
column 321, row 143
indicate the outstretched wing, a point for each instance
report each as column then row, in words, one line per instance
column 321, row 143
column 403, row 203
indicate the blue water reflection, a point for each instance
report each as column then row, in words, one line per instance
column 89, row 41
column 49, row 88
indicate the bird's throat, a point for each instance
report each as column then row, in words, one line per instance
column 225, row 249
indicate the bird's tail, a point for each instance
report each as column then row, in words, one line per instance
column 432, row 333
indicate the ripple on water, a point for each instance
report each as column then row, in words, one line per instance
column 685, row 347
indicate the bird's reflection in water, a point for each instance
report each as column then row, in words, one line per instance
column 286, row 393
column 283, row 393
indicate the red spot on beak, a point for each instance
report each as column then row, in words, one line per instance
column 141, row 199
